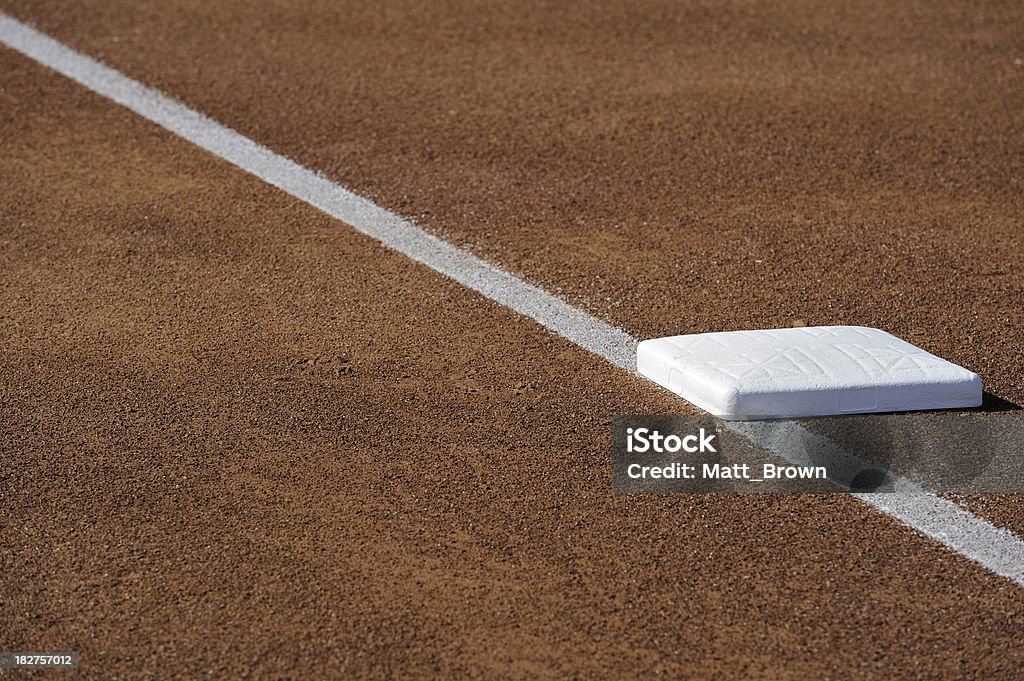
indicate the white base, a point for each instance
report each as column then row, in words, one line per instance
column 816, row 371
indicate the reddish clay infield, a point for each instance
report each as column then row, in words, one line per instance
column 243, row 441
column 672, row 167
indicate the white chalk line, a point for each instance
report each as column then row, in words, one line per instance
column 968, row 535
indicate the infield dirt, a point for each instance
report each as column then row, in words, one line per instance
column 242, row 439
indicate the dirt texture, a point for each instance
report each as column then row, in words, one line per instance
column 241, row 440
column 673, row 167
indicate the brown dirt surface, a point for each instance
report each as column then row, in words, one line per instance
column 241, row 440
column 672, row 167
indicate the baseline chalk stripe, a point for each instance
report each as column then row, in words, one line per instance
column 797, row 373
column 957, row 529
column 367, row 217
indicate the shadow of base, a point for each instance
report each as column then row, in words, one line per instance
column 990, row 402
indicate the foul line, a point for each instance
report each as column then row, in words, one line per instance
column 975, row 538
